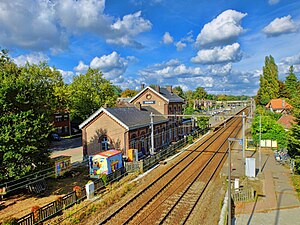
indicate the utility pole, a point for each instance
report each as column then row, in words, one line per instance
column 229, row 184
column 243, row 136
column 152, row 135
column 259, row 144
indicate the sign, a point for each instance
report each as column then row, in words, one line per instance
column 148, row 102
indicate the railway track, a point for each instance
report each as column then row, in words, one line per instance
column 172, row 197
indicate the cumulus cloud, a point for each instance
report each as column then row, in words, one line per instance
column 167, row 38
column 223, row 29
column 279, row 26
column 292, row 60
column 220, row 69
column 112, row 65
column 170, row 69
column 67, row 76
column 180, row 45
column 50, row 24
column 81, row 67
column 273, row 2
column 33, row 58
column 226, row 54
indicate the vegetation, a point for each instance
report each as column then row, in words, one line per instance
column 27, row 98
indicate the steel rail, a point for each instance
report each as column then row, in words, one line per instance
column 218, row 133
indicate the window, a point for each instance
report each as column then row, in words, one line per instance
column 66, row 129
column 59, row 130
column 133, row 141
column 58, row 118
column 104, row 143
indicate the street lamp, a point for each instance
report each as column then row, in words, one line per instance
column 229, row 177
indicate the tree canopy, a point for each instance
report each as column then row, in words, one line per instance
column 88, row 92
column 27, row 100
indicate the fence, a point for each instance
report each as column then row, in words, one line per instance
column 55, row 207
column 243, row 194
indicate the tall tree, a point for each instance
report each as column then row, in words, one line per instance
column 178, row 91
column 291, row 84
column 88, row 92
column 269, row 86
column 200, row 93
column 27, row 100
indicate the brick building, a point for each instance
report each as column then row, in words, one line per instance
column 129, row 127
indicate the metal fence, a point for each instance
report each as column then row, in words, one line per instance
column 57, row 206
column 243, row 194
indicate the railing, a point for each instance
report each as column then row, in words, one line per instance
column 243, row 194
column 66, row 201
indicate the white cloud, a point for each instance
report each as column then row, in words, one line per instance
column 278, row 26
column 112, row 66
column 273, row 2
column 33, row 58
column 44, row 25
column 229, row 53
column 81, row 67
column 292, row 60
column 67, row 76
column 223, row 29
column 220, row 69
column 194, row 82
column 180, row 45
column 167, row 38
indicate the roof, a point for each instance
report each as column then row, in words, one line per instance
column 163, row 93
column 287, row 121
column 277, row 104
column 109, row 153
column 129, row 117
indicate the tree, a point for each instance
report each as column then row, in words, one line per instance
column 88, row 92
column 200, row 93
column 270, row 130
column 27, row 101
column 291, row 84
column 128, row 93
column 294, row 138
column 178, row 91
column 269, row 86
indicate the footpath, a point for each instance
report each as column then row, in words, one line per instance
column 277, row 202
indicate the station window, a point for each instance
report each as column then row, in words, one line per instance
column 104, row 143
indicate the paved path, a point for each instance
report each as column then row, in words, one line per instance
column 278, row 204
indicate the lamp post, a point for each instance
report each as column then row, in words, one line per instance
column 259, row 150
column 229, row 177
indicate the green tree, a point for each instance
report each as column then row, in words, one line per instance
column 269, row 86
column 178, row 91
column 270, row 130
column 27, row 101
column 88, row 92
column 291, row 84
column 200, row 93
column 128, row 93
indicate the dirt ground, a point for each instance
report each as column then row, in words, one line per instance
column 19, row 205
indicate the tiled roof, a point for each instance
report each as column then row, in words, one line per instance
column 163, row 92
column 170, row 95
column 287, row 121
column 277, row 104
column 134, row 118
column 129, row 117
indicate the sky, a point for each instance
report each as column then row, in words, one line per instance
column 220, row 45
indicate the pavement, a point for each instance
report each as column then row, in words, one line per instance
column 69, row 147
column 278, row 204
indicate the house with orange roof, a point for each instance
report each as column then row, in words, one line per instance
column 279, row 106
column 287, row 121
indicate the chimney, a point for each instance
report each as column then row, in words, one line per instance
column 138, row 105
column 105, row 105
column 142, row 86
column 157, row 88
column 169, row 88
column 283, row 104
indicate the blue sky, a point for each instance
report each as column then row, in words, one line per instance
column 216, row 44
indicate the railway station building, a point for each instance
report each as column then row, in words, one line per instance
column 129, row 127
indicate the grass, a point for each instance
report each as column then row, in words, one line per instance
column 83, row 210
column 296, row 183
